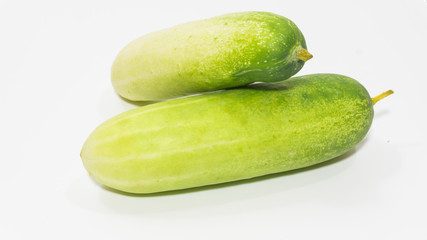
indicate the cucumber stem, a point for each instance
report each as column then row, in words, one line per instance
column 303, row 54
column 381, row 96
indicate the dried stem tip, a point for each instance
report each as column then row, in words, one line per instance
column 303, row 54
column 381, row 96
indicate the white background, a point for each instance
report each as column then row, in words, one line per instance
column 55, row 59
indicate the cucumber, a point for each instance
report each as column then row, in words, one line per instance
column 230, row 135
column 217, row 53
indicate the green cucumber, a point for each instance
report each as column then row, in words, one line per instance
column 217, row 53
column 230, row 135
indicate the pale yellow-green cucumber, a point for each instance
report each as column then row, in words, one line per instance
column 230, row 135
column 217, row 53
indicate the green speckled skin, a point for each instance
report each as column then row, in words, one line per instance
column 217, row 53
column 229, row 135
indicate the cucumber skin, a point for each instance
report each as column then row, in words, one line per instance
column 217, row 53
column 229, row 135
